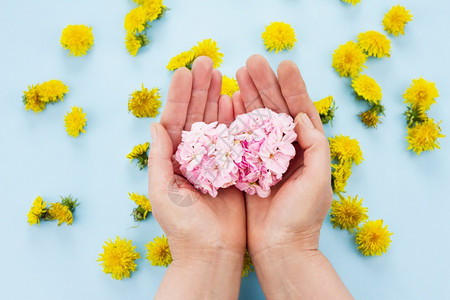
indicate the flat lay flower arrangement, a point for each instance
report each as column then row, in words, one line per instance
column 258, row 146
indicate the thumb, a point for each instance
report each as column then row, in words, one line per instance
column 160, row 166
column 316, row 150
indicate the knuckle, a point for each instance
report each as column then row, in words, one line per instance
column 199, row 92
column 321, row 140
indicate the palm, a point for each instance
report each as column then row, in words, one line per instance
column 211, row 222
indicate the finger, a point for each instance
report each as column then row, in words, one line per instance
column 238, row 104
column 226, row 114
column 201, row 79
column 212, row 101
column 294, row 92
column 316, row 151
column 266, row 82
column 177, row 105
column 160, row 168
column 249, row 93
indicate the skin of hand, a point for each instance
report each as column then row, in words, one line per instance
column 293, row 213
column 283, row 229
column 207, row 236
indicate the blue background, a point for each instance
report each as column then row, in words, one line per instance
column 37, row 157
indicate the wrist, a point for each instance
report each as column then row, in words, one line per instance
column 287, row 273
column 281, row 256
column 206, row 258
column 205, row 275
column 285, row 242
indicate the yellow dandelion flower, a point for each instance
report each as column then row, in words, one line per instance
column 424, row 136
column 421, row 94
column 339, row 176
column 347, row 213
column 345, row 149
column 248, row 264
column 184, row 59
column 373, row 238
column 154, row 8
column 208, row 47
column 279, row 36
column 324, row 105
column 32, row 99
column 370, row 118
column 141, row 200
column 53, row 91
column 60, row 212
column 136, row 20
column 326, row 108
column 229, row 86
column 78, row 39
column 395, row 20
column 139, row 152
column 134, row 42
column 367, row 88
column 37, row 210
column 158, row 252
column 118, row 258
column 75, row 120
column 374, row 43
column 149, row 2
column 349, row 59
column 353, row 2
column 144, row 206
column 145, row 103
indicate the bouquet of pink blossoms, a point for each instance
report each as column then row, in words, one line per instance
column 252, row 154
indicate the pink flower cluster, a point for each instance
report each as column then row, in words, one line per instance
column 253, row 154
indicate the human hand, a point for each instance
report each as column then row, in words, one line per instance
column 283, row 229
column 291, row 217
column 206, row 235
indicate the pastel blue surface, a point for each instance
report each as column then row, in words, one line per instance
column 37, row 157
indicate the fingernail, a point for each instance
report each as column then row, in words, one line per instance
column 306, row 121
column 153, row 132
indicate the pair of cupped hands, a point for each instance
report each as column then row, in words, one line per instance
column 201, row 228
